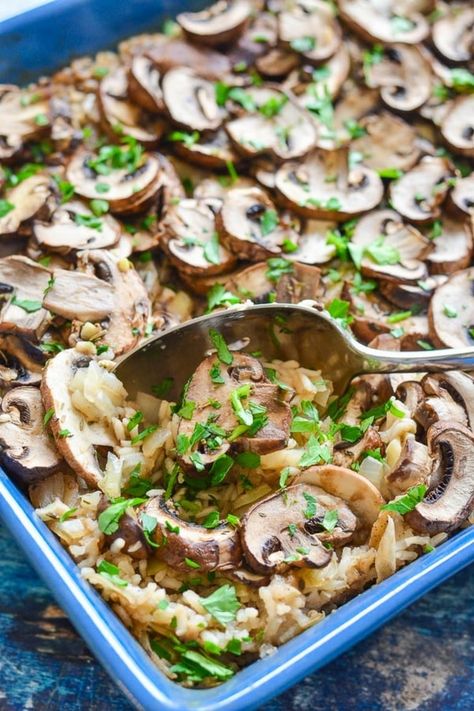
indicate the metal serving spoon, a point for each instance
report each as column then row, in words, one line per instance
column 283, row 331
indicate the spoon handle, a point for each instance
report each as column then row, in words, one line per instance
column 377, row 361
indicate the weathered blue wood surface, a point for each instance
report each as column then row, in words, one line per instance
column 422, row 660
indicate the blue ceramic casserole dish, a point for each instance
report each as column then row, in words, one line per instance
column 37, row 42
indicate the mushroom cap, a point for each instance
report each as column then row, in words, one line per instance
column 406, row 241
column 25, row 280
column 25, row 447
column 403, row 76
column 27, row 198
column 21, row 362
column 190, row 100
column 462, row 195
column 450, row 497
column 189, row 235
column 213, row 150
column 304, row 187
column 412, row 467
column 388, row 142
column 286, row 529
column 277, row 62
column 218, row 24
column 374, row 22
column 418, row 194
column 75, row 295
column 337, row 69
column 457, row 126
column 63, row 234
column 176, row 53
column 18, row 111
column 128, row 192
column 452, row 33
column 144, row 84
column 455, row 296
column 453, row 248
column 312, row 243
column 77, row 449
column 242, row 224
column 211, row 549
column 312, row 20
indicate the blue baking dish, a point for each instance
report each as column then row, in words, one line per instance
column 37, row 42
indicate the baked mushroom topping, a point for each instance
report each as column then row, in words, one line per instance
column 452, row 33
column 451, row 312
column 24, row 115
column 22, row 285
column 457, row 127
column 452, row 245
column 219, row 24
column 387, row 141
column 462, row 195
column 418, row 194
column 380, row 22
column 403, row 76
column 325, row 187
column 23, row 202
column 21, row 362
column 144, row 84
column 191, row 101
column 310, row 29
column 25, row 447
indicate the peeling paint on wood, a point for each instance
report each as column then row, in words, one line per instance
column 423, row 660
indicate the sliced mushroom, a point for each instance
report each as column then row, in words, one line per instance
column 411, row 393
column 452, row 33
column 313, row 247
column 457, row 126
column 19, row 110
column 26, row 451
column 303, row 282
column 126, row 191
column 23, row 282
column 453, row 248
column 210, row 549
column 126, row 322
column 438, row 405
column 450, row 497
column 409, row 296
column 67, row 424
column 176, row 53
column 74, row 295
column 462, row 195
column 119, row 112
column 287, row 530
column 335, row 70
column 129, row 530
column 203, row 391
column 277, row 125
column 277, row 62
column 387, row 141
column 26, row 200
column 144, row 84
column 458, row 386
column 218, row 24
column 379, row 22
column 390, row 249
column 251, row 283
column 418, row 194
column 191, row 100
column 21, row 362
column 310, row 29
column 451, row 313
column 210, row 151
column 412, row 467
column 249, row 225
column 304, row 187
column 403, row 76
column 69, row 229
column 190, row 239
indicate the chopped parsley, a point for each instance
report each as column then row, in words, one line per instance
column 109, row 519
column 315, row 453
column 223, row 352
column 406, row 503
column 144, row 434
column 330, row 520
column 222, row 604
column 27, row 305
column 112, row 573
column 303, row 44
column 212, row 520
column 219, row 296
column 161, row 389
column 277, row 266
column 310, row 510
column 268, row 222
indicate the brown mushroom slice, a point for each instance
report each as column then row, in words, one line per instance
column 379, row 22
column 335, row 72
column 390, row 249
column 388, row 141
column 354, row 104
column 453, row 248
column 69, row 229
column 249, row 225
column 305, row 188
column 277, row 62
column 450, row 497
column 451, row 312
column 210, row 549
column 144, row 84
column 278, row 125
column 19, row 110
column 462, row 195
column 413, row 466
column 67, row 424
column 210, row 151
column 457, row 127
column 26, row 450
column 118, row 111
column 403, row 76
column 312, row 244
column 126, row 191
column 458, row 386
column 452, row 33
column 190, row 239
column 126, row 322
column 26, row 200
column 286, row 529
column 191, row 100
column 406, row 296
column 311, row 29
column 244, row 370
column 74, row 295
column 24, row 283
column 218, row 24
column 251, row 283
column 176, row 53
column 129, row 531
column 418, row 194
column 21, row 362
column 301, row 282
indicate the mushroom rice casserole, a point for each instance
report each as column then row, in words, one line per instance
column 279, row 151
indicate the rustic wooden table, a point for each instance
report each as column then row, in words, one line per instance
column 422, row 660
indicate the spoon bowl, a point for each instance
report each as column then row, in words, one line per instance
column 274, row 331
